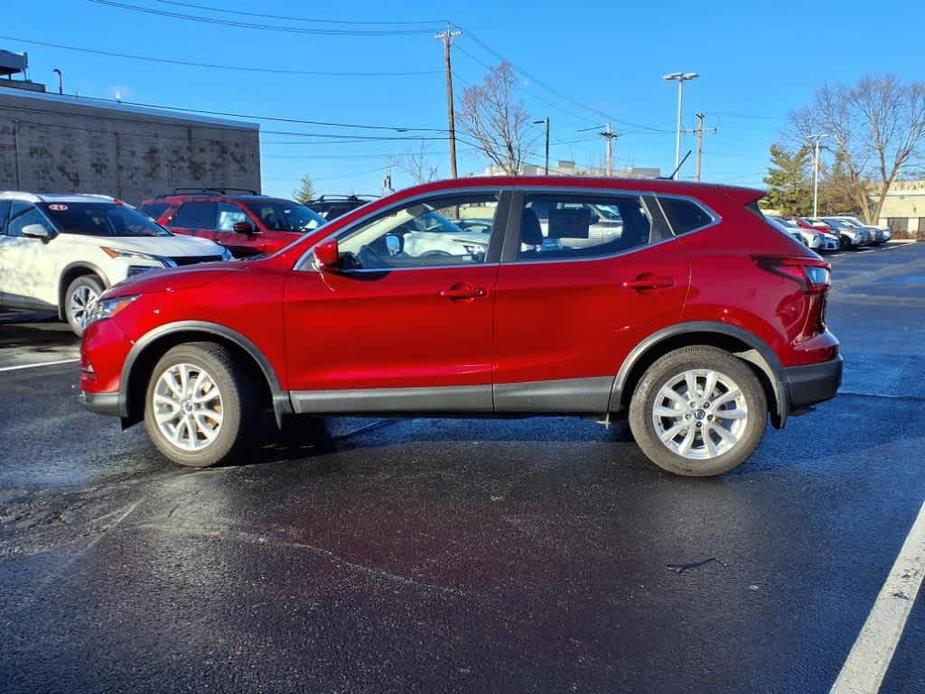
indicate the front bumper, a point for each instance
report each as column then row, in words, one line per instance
column 807, row 385
column 101, row 403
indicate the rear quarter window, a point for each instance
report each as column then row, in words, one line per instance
column 684, row 216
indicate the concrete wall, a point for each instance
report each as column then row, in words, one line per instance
column 50, row 143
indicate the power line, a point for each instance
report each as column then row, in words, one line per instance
column 331, row 138
column 215, row 66
column 530, row 76
column 278, row 119
column 263, row 27
column 242, row 13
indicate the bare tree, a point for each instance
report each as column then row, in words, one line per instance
column 491, row 114
column 417, row 164
column 876, row 130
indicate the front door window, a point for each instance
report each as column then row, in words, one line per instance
column 445, row 231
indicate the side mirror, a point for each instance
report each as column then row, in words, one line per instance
column 243, row 228
column 36, row 231
column 327, row 256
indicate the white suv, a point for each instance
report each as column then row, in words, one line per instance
column 60, row 252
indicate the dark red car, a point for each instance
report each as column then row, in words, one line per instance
column 246, row 223
column 673, row 304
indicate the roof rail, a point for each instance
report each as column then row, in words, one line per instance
column 352, row 196
column 223, row 190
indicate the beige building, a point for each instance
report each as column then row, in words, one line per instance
column 904, row 209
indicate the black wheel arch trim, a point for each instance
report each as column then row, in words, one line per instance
column 760, row 354
column 282, row 404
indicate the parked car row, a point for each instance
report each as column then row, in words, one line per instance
column 832, row 233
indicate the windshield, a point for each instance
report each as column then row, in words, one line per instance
column 837, row 223
column 101, row 219
column 283, row 215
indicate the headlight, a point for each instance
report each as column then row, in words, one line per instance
column 107, row 308
column 120, row 253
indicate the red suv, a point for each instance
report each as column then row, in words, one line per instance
column 673, row 304
column 246, row 223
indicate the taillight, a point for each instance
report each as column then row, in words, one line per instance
column 814, row 275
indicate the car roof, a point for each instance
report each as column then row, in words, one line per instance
column 665, row 186
column 54, row 197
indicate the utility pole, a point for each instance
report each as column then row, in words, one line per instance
column 699, row 132
column 447, row 38
column 609, row 136
column 814, row 139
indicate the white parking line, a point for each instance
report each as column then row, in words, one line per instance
column 870, row 657
column 35, row 366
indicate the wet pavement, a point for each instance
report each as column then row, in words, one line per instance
column 540, row 554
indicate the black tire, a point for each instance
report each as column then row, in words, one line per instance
column 75, row 316
column 239, row 404
column 672, row 365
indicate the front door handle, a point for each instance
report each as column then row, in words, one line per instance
column 463, row 291
column 648, row 281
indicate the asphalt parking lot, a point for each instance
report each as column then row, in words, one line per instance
column 537, row 554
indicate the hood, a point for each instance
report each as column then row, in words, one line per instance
column 173, row 246
column 174, row 279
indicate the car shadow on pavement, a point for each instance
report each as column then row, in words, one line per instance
column 35, row 332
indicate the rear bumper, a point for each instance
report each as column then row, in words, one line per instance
column 101, row 403
column 807, row 385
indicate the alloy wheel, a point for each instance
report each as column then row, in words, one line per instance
column 187, row 406
column 80, row 303
column 700, row 414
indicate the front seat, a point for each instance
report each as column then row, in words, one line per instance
column 531, row 233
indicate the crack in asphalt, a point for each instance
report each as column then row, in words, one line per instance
column 230, row 533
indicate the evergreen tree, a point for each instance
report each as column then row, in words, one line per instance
column 305, row 191
column 789, row 181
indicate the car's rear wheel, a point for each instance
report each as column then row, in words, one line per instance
column 698, row 411
column 198, row 405
column 79, row 298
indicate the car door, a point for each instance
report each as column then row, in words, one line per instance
column 29, row 268
column 195, row 218
column 241, row 245
column 572, row 301
column 406, row 323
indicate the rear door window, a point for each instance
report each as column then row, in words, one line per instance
column 195, row 215
column 564, row 226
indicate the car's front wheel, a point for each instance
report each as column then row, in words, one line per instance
column 79, row 298
column 199, row 404
column 698, row 411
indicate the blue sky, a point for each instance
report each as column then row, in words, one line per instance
column 757, row 62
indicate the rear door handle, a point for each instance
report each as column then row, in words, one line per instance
column 648, row 280
column 463, row 291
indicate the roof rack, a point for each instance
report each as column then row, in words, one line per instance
column 224, row 190
column 352, row 196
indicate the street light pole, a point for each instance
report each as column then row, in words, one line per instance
column 680, row 78
column 814, row 139
column 545, row 122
